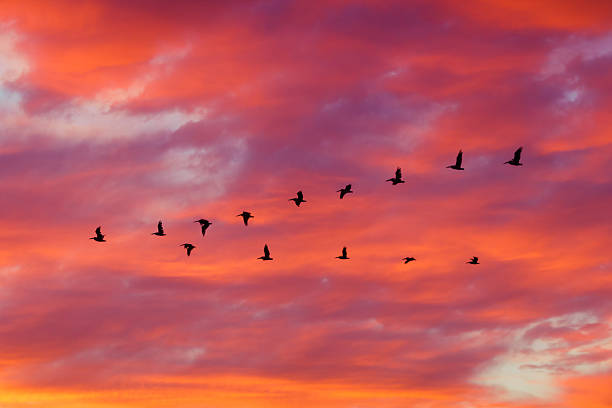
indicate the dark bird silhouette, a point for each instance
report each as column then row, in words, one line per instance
column 516, row 160
column 245, row 217
column 204, row 224
column 398, row 177
column 299, row 200
column 343, row 256
column 99, row 237
column 160, row 230
column 344, row 191
column 457, row 165
column 266, row 256
column 408, row 259
column 188, row 247
column 473, row 261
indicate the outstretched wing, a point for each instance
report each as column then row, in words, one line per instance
column 266, row 251
column 398, row 173
column 98, row 231
column 459, row 159
column 517, row 154
column 189, row 249
column 475, row 259
column 344, row 252
column 348, row 187
column 204, row 226
column 160, row 227
column 300, row 196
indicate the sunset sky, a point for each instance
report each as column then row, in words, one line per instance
column 124, row 113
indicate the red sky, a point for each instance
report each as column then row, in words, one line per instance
column 122, row 113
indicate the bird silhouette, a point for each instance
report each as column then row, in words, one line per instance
column 204, row 224
column 245, row 217
column 188, row 247
column 398, row 177
column 473, row 261
column 299, row 200
column 516, row 160
column 457, row 165
column 408, row 259
column 343, row 256
column 99, row 237
column 160, row 230
column 344, row 191
column 266, row 256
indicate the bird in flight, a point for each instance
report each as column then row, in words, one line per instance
column 457, row 165
column 398, row 177
column 343, row 256
column 473, row 261
column 408, row 259
column 516, row 160
column 99, row 237
column 344, row 191
column 188, row 247
column 245, row 217
column 266, row 256
column 160, row 230
column 204, row 224
column 299, row 200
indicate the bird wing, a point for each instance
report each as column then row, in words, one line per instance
column 459, row 158
column 300, row 196
column 348, row 187
column 475, row 259
column 266, row 251
column 160, row 227
column 98, row 231
column 189, row 249
column 398, row 173
column 344, row 252
column 517, row 154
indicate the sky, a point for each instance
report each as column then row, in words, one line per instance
column 124, row 113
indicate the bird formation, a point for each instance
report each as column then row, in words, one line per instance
column 299, row 199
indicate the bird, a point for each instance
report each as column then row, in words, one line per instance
column 299, row 200
column 398, row 177
column 516, row 160
column 160, row 230
column 457, row 165
column 99, row 237
column 245, row 217
column 473, row 261
column 408, row 259
column 344, row 191
column 343, row 256
column 205, row 224
column 188, row 247
column 266, row 256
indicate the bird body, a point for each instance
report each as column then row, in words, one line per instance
column 245, row 217
column 299, row 200
column 344, row 254
column 99, row 236
column 457, row 165
column 473, row 261
column 398, row 177
column 188, row 247
column 516, row 160
column 344, row 191
column 266, row 256
column 204, row 224
column 408, row 259
column 160, row 230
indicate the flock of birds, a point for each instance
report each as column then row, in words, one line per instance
column 299, row 199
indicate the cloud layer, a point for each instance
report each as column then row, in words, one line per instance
column 123, row 113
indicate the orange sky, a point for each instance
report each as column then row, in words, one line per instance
column 120, row 114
